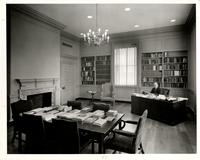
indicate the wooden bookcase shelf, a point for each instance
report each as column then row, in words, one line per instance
column 170, row 69
column 88, row 70
column 95, row 70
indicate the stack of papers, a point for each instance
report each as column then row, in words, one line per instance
column 90, row 120
column 100, row 122
column 81, row 117
column 110, row 118
column 86, row 109
column 98, row 113
column 112, row 113
column 67, row 115
column 75, row 111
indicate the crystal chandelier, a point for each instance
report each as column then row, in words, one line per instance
column 96, row 37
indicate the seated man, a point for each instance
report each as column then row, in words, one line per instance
column 156, row 89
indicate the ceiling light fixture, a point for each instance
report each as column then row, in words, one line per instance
column 89, row 17
column 173, row 20
column 136, row 25
column 127, row 9
column 96, row 37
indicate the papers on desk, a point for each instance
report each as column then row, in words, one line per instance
column 90, row 120
column 98, row 114
column 112, row 113
column 86, row 109
column 100, row 122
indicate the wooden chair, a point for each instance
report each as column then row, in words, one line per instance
column 17, row 109
column 107, row 93
column 67, row 139
column 164, row 91
column 125, row 141
column 75, row 104
column 101, row 106
column 35, row 134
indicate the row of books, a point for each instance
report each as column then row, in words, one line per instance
column 152, row 61
column 151, row 73
column 150, row 79
column 85, row 59
column 102, row 62
column 175, row 60
column 175, row 79
column 176, row 66
column 103, row 58
column 88, row 68
column 153, row 55
column 176, row 85
column 87, row 73
column 175, row 73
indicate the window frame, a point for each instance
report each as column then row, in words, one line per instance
column 135, row 66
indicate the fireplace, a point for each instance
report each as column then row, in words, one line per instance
column 40, row 100
column 41, row 92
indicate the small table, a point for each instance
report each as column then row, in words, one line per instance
column 92, row 94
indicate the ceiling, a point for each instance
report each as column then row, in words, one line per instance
column 113, row 17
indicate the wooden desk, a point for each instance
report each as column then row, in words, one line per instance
column 170, row 112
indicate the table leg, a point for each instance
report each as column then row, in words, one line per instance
column 101, row 141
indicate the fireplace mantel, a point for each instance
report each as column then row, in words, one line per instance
column 36, row 86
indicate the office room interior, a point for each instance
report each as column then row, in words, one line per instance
column 101, row 78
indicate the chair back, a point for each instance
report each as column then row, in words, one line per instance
column 74, row 104
column 164, row 91
column 101, row 106
column 35, row 133
column 20, row 107
column 66, row 136
column 107, row 90
column 140, row 130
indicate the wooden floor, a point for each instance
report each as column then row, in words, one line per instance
column 158, row 137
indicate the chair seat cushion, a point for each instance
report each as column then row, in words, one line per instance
column 107, row 99
column 121, row 143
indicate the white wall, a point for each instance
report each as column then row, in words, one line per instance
column 35, row 51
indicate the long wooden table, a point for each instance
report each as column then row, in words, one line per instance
column 170, row 112
column 97, row 133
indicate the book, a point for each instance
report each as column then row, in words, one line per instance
column 90, row 120
column 100, row 122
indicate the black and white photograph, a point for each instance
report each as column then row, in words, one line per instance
column 103, row 79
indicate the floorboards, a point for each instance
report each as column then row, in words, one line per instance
column 158, row 137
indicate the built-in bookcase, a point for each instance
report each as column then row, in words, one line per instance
column 103, row 69
column 170, row 69
column 88, row 70
column 95, row 70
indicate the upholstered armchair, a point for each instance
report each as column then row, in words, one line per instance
column 107, row 93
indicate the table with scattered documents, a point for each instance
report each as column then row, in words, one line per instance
column 170, row 110
column 98, row 123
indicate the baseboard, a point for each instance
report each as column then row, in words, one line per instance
column 82, row 98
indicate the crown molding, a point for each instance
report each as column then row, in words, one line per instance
column 69, row 36
column 139, row 33
column 21, row 8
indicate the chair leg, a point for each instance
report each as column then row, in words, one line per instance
column 14, row 135
column 92, row 146
column 141, row 148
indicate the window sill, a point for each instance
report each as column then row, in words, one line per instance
column 126, row 86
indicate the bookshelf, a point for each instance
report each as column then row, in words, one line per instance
column 152, row 68
column 170, row 69
column 103, row 72
column 95, row 70
column 175, row 69
column 88, row 70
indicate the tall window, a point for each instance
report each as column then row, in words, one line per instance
column 125, row 66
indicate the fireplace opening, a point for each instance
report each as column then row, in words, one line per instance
column 40, row 100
